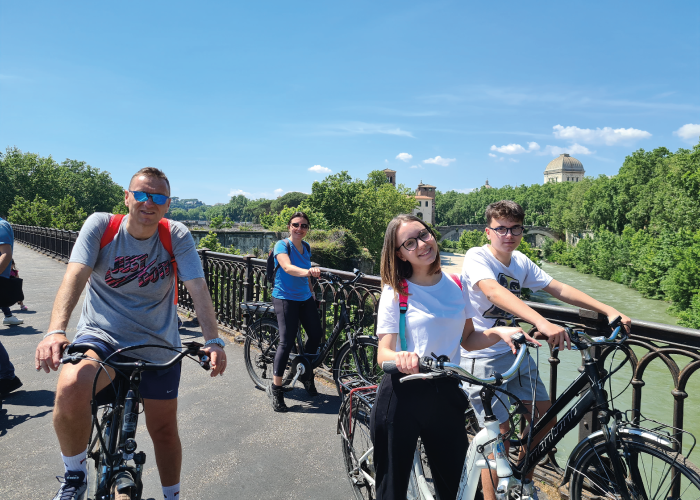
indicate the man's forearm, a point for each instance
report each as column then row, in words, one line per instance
column 507, row 301
column 5, row 257
column 575, row 297
column 66, row 300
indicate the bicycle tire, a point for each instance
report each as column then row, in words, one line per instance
column 259, row 352
column 644, row 460
column 356, row 442
column 346, row 366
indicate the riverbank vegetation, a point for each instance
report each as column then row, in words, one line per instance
column 640, row 227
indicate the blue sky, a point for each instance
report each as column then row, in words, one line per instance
column 262, row 98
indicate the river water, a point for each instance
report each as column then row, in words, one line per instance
column 657, row 401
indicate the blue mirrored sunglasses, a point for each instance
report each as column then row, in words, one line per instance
column 158, row 199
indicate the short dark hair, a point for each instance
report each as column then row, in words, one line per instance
column 298, row 214
column 151, row 172
column 505, row 209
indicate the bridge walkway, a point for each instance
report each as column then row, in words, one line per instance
column 234, row 445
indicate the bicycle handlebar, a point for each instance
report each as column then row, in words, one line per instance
column 74, row 353
column 585, row 340
column 334, row 278
column 431, row 368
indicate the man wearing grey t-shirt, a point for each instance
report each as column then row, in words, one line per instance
column 129, row 301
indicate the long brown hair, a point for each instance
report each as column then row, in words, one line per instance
column 393, row 269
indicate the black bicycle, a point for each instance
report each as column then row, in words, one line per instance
column 627, row 459
column 117, row 465
column 356, row 359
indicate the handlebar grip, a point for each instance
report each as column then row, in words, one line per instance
column 390, row 367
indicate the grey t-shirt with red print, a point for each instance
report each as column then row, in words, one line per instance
column 129, row 296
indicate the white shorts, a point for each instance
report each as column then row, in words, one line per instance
column 521, row 385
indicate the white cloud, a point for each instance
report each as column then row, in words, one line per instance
column 386, row 161
column 513, row 160
column 361, row 128
column 320, row 170
column 689, row 132
column 515, row 149
column 493, row 155
column 605, row 135
column 236, row 192
column 465, row 191
column 439, row 160
column 510, row 149
column 574, row 149
column 279, row 191
column 404, row 157
column 415, row 166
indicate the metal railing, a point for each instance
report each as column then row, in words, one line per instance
column 233, row 279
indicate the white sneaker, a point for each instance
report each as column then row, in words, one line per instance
column 73, row 486
column 12, row 321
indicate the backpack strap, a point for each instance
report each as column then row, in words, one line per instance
column 112, row 228
column 166, row 240
column 403, row 306
column 456, row 279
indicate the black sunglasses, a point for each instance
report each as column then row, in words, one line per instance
column 158, row 199
column 303, row 226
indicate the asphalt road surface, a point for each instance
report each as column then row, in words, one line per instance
column 234, row 445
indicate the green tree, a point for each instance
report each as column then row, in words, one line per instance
column 31, row 213
column 291, row 199
column 470, row 239
column 68, row 215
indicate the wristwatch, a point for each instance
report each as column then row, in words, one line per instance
column 216, row 341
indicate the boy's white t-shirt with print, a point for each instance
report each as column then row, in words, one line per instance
column 480, row 264
column 435, row 317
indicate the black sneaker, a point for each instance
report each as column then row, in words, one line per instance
column 310, row 387
column 276, row 394
column 7, row 385
column 73, row 486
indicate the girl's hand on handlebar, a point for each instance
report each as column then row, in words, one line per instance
column 505, row 333
column 314, row 272
column 218, row 359
column 407, row 362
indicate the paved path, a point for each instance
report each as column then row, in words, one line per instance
column 235, row 446
column 451, row 262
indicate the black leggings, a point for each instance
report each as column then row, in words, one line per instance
column 289, row 314
column 431, row 409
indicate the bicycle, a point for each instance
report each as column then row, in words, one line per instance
column 117, row 466
column 616, row 462
column 358, row 451
column 356, row 358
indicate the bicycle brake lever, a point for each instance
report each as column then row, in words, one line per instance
column 420, row 376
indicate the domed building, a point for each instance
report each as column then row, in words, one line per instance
column 564, row 168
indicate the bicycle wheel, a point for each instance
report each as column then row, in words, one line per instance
column 358, row 452
column 356, row 362
column 649, row 470
column 259, row 351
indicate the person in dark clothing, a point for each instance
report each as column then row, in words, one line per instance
column 8, row 380
column 294, row 302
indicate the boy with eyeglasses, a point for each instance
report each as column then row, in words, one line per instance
column 495, row 275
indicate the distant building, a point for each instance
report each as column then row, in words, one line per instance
column 425, row 197
column 390, row 176
column 564, row 168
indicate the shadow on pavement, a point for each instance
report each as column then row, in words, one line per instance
column 23, row 398
column 15, row 330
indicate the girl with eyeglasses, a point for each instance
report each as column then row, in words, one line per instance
column 294, row 302
column 437, row 320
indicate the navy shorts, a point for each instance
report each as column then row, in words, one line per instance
column 158, row 384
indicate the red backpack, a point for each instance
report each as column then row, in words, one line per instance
column 403, row 306
column 163, row 234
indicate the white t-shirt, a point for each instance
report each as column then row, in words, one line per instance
column 480, row 264
column 435, row 317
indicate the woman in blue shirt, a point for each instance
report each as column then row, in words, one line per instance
column 294, row 302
